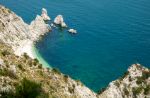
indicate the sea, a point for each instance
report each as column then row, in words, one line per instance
column 112, row 35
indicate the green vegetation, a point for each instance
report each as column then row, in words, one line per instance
column 124, row 75
column 55, row 70
column 6, row 72
column 5, row 52
column 25, row 55
column 126, row 91
column 66, row 78
column 117, row 83
column 40, row 66
column 36, row 60
column 101, row 90
column 7, row 95
column 145, row 74
column 137, row 90
column 71, row 90
column 28, row 89
column 21, row 67
column 147, row 90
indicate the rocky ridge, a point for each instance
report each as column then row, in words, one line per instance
column 135, row 83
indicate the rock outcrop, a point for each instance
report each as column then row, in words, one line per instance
column 45, row 15
column 73, row 31
column 134, row 84
column 16, row 33
column 60, row 21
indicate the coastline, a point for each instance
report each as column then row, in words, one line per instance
column 36, row 54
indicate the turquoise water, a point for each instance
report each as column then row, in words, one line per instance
column 112, row 35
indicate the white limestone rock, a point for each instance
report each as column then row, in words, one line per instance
column 63, row 25
column 60, row 21
column 15, row 32
column 44, row 14
column 73, row 31
column 129, row 85
column 1, row 61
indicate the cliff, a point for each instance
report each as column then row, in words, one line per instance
column 22, row 76
column 16, row 33
column 135, row 83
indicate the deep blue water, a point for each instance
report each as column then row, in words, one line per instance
column 112, row 35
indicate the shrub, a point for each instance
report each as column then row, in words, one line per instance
column 126, row 91
column 6, row 72
column 40, row 66
column 147, row 90
column 28, row 89
column 101, row 90
column 5, row 52
column 25, row 55
column 36, row 60
column 55, row 70
column 137, row 90
column 7, row 94
column 117, row 83
column 66, row 78
column 20, row 67
column 124, row 75
column 145, row 74
column 71, row 90
column 139, row 80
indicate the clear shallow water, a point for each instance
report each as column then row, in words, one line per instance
column 112, row 34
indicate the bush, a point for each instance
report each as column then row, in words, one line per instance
column 137, row 90
column 145, row 74
column 55, row 70
column 6, row 72
column 139, row 80
column 124, row 75
column 40, row 66
column 147, row 90
column 101, row 90
column 25, row 55
column 117, row 83
column 28, row 89
column 20, row 67
column 7, row 95
column 5, row 52
column 126, row 91
column 36, row 60
column 66, row 78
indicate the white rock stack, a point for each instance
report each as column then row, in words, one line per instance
column 45, row 15
column 60, row 21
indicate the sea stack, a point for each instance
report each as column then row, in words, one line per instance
column 60, row 21
column 45, row 15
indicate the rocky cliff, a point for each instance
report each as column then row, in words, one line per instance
column 24, row 77
column 135, row 83
column 16, row 33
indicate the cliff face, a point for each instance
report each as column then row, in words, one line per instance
column 16, row 33
column 24, row 76
column 134, row 84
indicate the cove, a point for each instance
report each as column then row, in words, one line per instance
column 112, row 35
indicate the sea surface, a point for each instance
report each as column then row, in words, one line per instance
column 112, row 35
